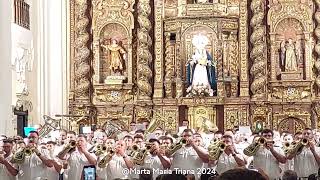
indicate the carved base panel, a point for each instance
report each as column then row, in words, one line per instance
column 291, row 75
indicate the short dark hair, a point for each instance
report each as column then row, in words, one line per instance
column 218, row 132
column 82, row 135
column 10, row 141
column 265, row 131
column 227, row 136
column 51, row 142
column 307, row 129
column 187, row 130
column 140, row 131
column 240, row 174
column 128, row 137
column 36, row 132
column 154, row 140
column 289, row 175
column 297, row 133
column 138, row 136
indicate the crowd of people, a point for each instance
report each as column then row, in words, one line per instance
column 137, row 154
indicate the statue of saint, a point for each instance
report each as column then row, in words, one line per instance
column 290, row 55
column 117, row 56
column 201, row 77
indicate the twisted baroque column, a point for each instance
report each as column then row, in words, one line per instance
column 317, row 46
column 82, row 52
column 144, row 55
column 168, row 67
column 257, row 54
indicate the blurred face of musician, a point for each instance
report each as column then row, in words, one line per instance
column 50, row 146
column 298, row 137
column 33, row 138
column 187, row 135
column 267, row 136
column 128, row 141
column 82, row 142
column 138, row 142
column 165, row 143
column 307, row 133
column 132, row 126
column 71, row 137
column 185, row 123
column 146, row 124
column 218, row 136
column 197, row 140
column 62, row 135
column 120, row 145
column 110, row 142
column 227, row 141
column 288, row 138
column 158, row 133
column 155, row 146
column 7, row 148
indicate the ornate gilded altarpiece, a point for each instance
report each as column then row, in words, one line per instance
column 266, row 54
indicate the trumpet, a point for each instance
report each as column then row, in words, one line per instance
column 69, row 147
column 98, row 149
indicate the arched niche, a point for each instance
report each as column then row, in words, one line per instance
column 107, row 33
column 189, row 49
column 291, row 124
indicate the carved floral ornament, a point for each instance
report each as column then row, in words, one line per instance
column 286, row 10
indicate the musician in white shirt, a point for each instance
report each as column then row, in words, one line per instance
column 268, row 157
column 35, row 166
column 8, row 171
column 156, row 160
column 119, row 163
column 230, row 158
column 189, row 158
column 307, row 161
column 78, row 158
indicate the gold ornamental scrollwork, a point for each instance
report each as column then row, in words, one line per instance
column 317, row 46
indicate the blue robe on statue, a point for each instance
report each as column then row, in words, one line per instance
column 211, row 73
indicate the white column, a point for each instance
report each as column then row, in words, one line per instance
column 5, row 68
column 52, row 46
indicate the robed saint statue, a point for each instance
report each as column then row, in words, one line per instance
column 201, row 73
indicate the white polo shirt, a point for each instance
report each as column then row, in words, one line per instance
column 227, row 162
column 305, row 164
column 4, row 173
column 187, row 158
column 267, row 162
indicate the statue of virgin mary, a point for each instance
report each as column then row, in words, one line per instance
column 201, row 77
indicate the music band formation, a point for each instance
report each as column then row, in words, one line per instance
column 131, row 154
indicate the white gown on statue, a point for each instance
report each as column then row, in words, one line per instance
column 200, row 76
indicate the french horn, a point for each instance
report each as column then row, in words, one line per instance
column 297, row 147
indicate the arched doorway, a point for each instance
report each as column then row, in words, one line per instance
column 291, row 125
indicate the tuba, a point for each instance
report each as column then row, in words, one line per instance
column 215, row 150
column 286, row 147
column 106, row 159
column 19, row 156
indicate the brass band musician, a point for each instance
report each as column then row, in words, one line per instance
column 306, row 157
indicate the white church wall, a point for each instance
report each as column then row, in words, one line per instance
column 5, row 73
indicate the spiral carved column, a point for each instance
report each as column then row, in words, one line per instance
column 168, row 67
column 317, row 46
column 144, row 55
column 82, row 52
column 257, row 54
